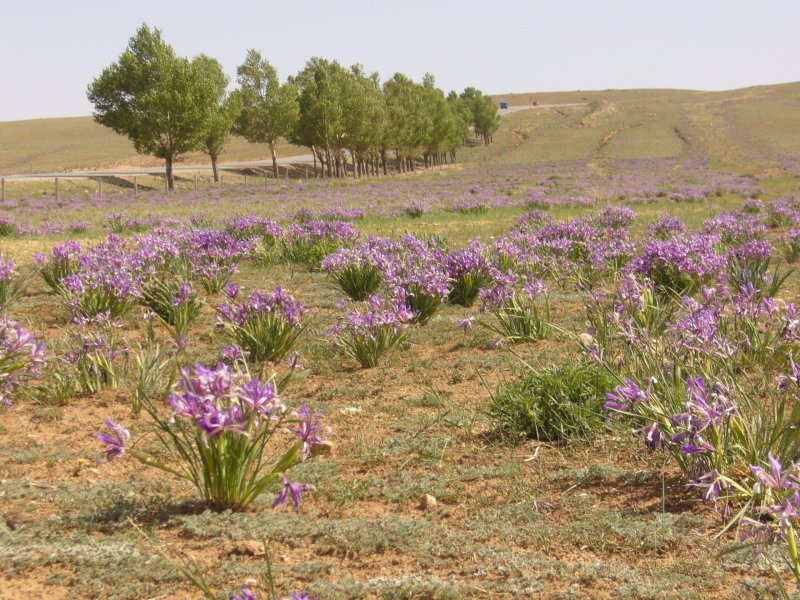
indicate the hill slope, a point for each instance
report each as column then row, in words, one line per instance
column 44, row 145
column 752, row 129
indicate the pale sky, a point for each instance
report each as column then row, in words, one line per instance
column 50, row 50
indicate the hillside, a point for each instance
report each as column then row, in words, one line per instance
column 44, row 145
column 751, row 129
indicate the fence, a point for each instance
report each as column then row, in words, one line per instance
column 151, row 180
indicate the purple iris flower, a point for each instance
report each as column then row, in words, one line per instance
column 652, row 436
column 259, row 397
column 293, row 491
column 116, row 441
column 307, row 430
column 776, row 478
column 466, row 324
column 244, row 594
column 623, row 397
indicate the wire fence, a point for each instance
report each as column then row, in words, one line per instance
column 58, row 185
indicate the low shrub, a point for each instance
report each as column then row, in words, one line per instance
column 553, row 403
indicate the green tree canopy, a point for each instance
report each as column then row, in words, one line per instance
column 269, row 110
column 224, row 110
column 159, row 100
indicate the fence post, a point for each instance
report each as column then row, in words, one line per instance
column 101, row 187
column 195, row 182
column 245, row 182
column 135, row 187
column 3, row 189
column 56, row 189
column 265, row 182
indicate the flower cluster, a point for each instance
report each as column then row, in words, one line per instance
column 468, row 270
column 218, row 436
column 12, row 287
column 21, row 356
column 681, row 265
column 513, row 302
column 369, row 332
column 265, row 325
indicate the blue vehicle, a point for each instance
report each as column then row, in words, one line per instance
column 503, row 104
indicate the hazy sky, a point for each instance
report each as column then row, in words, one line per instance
column 51, row 49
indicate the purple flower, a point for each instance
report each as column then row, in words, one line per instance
column 244, row 594
column 774, row 479
column 21, row 356
column 466, row 324
column 787, row 510
column 623, row 397
column 116, row 441
column 291, row 490
column 213, row 420
column 232, row 353
column 712, row 484
column 183, row 295
column 259, row 397
column 665, row 227
column 232, row 290
column 652, row 436
column 307, row 430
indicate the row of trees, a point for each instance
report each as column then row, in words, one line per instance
column 170, row 105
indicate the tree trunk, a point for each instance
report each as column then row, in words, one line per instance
column 274, row 160
column 214, row 167
column 384, row 161
column 314, row 156
column 328, row 160
column 170, row 178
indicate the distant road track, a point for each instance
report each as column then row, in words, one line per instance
column 512, row 109
column 256, row 164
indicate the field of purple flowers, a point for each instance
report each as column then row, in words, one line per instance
column 499, row 381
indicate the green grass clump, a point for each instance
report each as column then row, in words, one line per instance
column 553, row 404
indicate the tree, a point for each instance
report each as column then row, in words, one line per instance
column 269, row 110
column 483, row 113
column 320, row 126
column 407, row 120
column 459, row 131
column 157, row 99
column 486, row 120
column 225, row 110
column 364, row 119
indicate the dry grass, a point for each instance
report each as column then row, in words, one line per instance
column 46, row 145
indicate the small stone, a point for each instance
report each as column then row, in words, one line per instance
column 323, row 448
column 245, row 548
column 251, row 582
column 427, row 502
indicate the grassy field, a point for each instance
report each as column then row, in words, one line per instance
column 593, row 519
column 598, row 518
